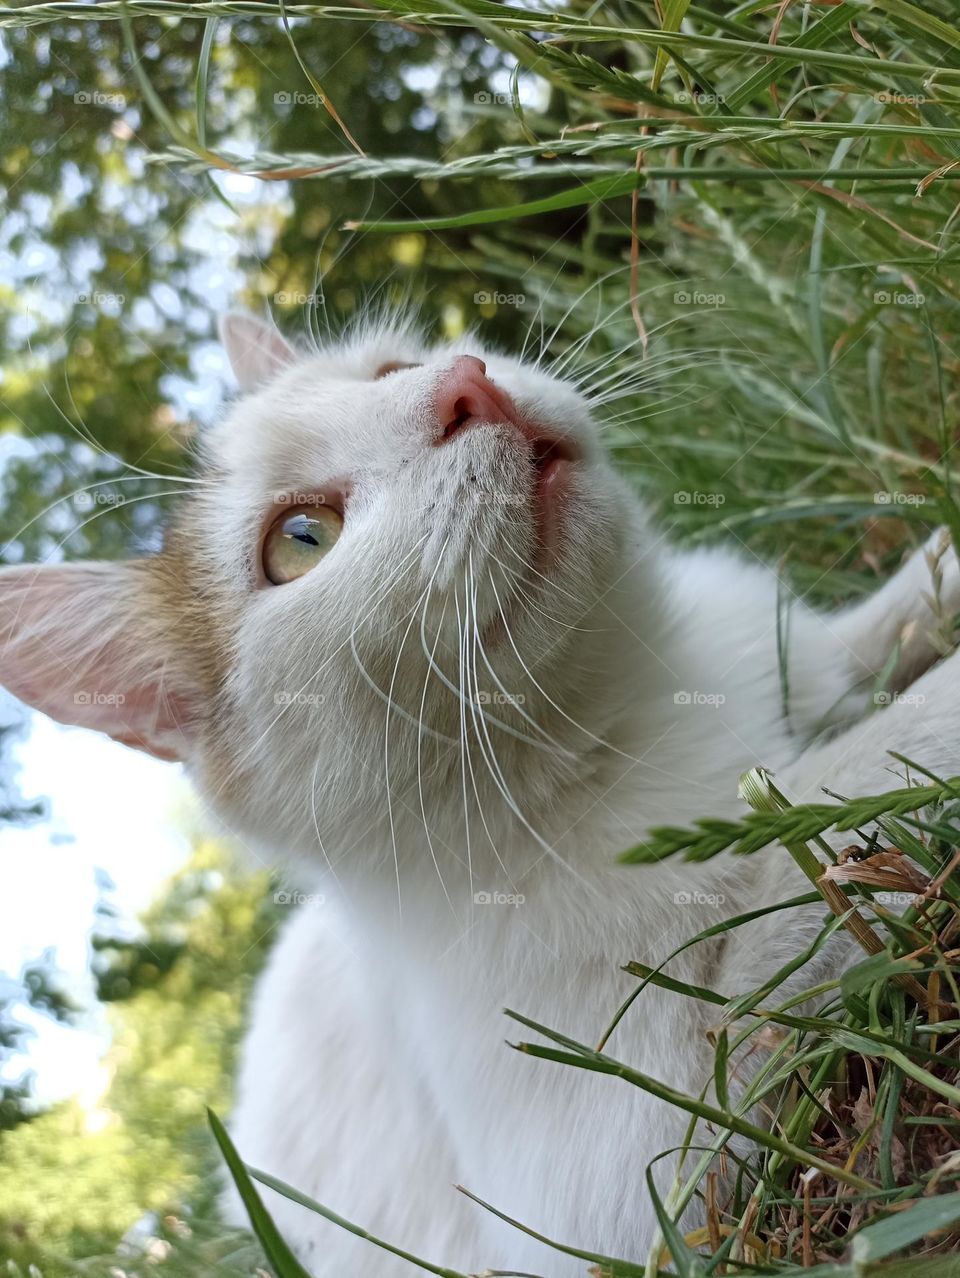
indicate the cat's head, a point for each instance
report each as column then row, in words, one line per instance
column 396, row 566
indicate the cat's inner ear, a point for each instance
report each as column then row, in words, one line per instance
column 256, row 350
column 93, row 645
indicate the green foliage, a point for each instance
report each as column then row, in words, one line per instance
column 777, row 365
column 74, row 1180
column 804, row 821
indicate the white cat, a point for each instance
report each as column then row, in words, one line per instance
column 415, row 637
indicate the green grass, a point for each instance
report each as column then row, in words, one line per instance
column 763, row 293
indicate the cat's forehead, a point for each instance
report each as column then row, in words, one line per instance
column 354, row 403
column 324, row 407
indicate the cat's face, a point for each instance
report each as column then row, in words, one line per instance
column 392, row 570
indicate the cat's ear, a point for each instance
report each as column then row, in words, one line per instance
column 256, row 349
column 88, row 644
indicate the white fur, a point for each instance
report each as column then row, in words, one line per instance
column 375, row 1071
column 400, row 752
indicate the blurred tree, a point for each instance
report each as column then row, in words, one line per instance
column 74, row 1180
column 113, row 266
column 118, row 263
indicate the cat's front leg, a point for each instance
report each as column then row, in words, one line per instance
column 330, row 1102
column 841, row 665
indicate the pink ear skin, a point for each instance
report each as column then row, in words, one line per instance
column 256, row 349
column 86, row 645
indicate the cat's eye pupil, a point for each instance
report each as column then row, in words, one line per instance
column 297, row 540
column 299, row 526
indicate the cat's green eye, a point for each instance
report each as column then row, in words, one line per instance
column 298, row 540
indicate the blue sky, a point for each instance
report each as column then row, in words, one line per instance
column 112, row 811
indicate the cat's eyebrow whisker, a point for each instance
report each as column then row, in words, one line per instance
column 661, row 406
column 578, row 300
column 625, row 349
column 85, row 488
column 84, row 433
column 609, row 388
column 132, row 501
column 573, row 353
column 625, row 353
column 592, row 380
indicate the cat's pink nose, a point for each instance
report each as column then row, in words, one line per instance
column 466, row 396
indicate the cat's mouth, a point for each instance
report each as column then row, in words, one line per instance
column 553, row 457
